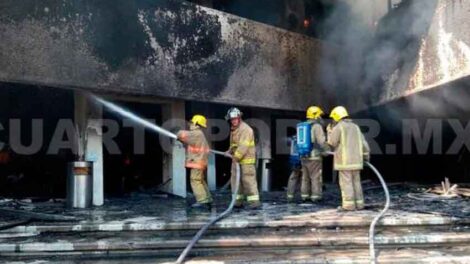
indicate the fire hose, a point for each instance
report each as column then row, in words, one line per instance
column 171, row 135
column 376, row 219
column 198, row 235
column 380, row 215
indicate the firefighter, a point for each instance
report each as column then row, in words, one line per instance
column 243, row 150
column 311, row 186
column 296, row 167
column 196, row 160
column 350, row 151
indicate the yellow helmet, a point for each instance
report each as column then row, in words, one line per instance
column 199, row 120
column 339, row 113
column 314, row 112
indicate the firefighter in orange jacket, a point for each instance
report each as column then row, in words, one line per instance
column 197, row 151
column 243, row 151
column 350, row 151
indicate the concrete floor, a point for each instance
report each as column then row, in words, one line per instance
column 154, row 212
column 278, row 232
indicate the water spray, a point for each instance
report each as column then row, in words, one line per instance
column 120, row 110
column 162, row 131
column 126, row 113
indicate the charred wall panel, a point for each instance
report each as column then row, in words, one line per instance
column 162, row 48
column 421, row 45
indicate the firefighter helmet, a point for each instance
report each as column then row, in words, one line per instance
column 339, row 113
column 314, row 112
column 199, row 120
column 233, row 113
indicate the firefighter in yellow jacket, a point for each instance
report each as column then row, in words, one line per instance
column 242, row 148
column 350, row 151
column 311, row 186
column 196, row 160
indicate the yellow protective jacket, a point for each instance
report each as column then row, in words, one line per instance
column 242, row 144
column 318, row 140
column 349, row 145
column 197, row 149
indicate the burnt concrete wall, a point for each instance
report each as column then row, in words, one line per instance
column 431, row 47
column 161, row 48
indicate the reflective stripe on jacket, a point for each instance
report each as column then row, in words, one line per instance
column 242, row 144
column 349, row 145
column 197, row 150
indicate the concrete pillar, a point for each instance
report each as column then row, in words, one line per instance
column 262, row 123
column 174, row 155
column 88, row 119
column 211, row 179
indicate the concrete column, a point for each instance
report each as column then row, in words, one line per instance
column 174, row 155
column 262, row 123
column 211, row 179
column 88, row 119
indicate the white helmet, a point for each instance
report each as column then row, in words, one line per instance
column 233, row 113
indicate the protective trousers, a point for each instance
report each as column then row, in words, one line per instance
column 312, row 180
column 199, row 186
column 293, row 183
column 248, row 185
column 351, row 189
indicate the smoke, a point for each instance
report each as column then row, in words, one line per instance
column 374, row 49
column 346, row 31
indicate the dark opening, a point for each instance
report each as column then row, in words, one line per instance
column 130, row 171
column 34, row 174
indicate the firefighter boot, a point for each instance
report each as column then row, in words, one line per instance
column 342, row 209
column 290, row 198
column 202, row 206
column 239, row 201
column 254, row 205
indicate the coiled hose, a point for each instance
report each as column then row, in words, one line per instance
column 199, row 234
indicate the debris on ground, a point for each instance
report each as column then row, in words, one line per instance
column 447, row 189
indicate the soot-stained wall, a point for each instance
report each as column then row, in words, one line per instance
column 163, row 48
column 421, row 45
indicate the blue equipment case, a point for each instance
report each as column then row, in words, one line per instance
column 304, row 138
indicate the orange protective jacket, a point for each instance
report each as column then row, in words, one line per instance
column 197, row 149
